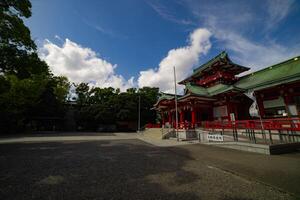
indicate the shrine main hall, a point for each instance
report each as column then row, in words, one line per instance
column 217, row 92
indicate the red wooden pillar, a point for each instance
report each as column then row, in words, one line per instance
column 228, row 104
column 170, row 117
column 193, row 117
column 198, row 116
column 163, row 118
column 181, row 118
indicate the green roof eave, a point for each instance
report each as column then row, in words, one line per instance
column 208, row 92
column 285, row 72
column 196, row 89
column 273, row 84
column 164, row 96
column 222, row 55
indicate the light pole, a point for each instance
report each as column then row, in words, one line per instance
column 176, row 114
column 139, row 113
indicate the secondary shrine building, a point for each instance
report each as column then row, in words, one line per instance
column 215, row 92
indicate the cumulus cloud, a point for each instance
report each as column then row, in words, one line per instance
column 183, row 58
column 82, row 64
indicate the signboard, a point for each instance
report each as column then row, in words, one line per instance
column 215, row 137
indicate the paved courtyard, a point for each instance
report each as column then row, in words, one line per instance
column 127, row 168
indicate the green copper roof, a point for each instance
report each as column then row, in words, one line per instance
column 221, row 56
column 222, row 61
column 285, row 72
column 219, row 88
column 165, row 96
column 281, row 73
column 196, row 89
column 211, row 91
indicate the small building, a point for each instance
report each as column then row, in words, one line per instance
column 216, row 92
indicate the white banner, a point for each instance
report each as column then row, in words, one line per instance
column 253, row 110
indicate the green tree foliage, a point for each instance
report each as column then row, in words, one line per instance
column 107, row 106
column 28, row 91
column 82, row 91
column 61, row 87
column 17, row 50
column 31, row 97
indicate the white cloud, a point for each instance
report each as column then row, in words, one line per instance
column 277, row 11
column 184, row 59
column 247, row 32
column 82, row 64
column 252, row 54
column 167, row 15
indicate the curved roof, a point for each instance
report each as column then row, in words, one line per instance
column 220, row 61
column 284, row 72
column 281, row 73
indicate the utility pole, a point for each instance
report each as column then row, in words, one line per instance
column 176, row 110
column 139, row 118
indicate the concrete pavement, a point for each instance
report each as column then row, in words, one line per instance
column 280, row 172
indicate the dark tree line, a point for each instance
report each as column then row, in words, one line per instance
column 106, row 107
column 32, row 98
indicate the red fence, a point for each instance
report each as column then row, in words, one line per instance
column 287, row 124
column 149, row 125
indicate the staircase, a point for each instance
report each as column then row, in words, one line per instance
column 157, row 133
column 152, row 133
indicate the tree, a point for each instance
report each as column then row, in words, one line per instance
column 17, row 50
column 61, row 87
column 107, row 106
column 17, row 101
column 82, row 91
column 28, row 90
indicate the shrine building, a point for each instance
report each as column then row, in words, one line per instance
column 216, row 92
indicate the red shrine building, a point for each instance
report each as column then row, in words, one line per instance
column 216, row 92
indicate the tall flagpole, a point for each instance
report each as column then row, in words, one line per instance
column 139, row 120
column 176, row 109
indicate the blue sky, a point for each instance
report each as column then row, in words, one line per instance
column 129, row 43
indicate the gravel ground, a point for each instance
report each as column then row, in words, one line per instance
column 118, row 169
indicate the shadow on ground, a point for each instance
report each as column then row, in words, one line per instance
column 91, row 170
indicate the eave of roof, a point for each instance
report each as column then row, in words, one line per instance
column 193, row 95
column 165, row 96
column 284, row 72
column 221, row 57
column 281, row 73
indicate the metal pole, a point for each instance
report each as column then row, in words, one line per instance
column 139, row 120
column 176, row 110
column 261, row 122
